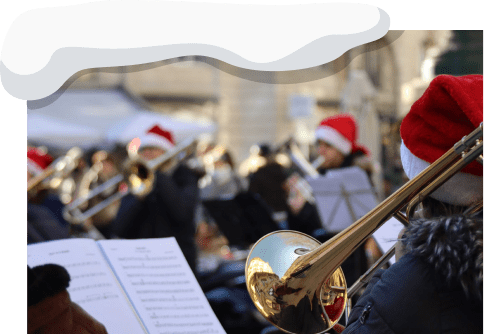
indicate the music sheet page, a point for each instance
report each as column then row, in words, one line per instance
column 93, row 286
column 161, row 286
column 387, row 235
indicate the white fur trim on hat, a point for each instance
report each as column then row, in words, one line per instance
column 33, row 168
column 154, row 140
column 333, row 137
column 462, row 189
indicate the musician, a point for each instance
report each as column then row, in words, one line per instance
column 104, row 166
column 268, row 182
column 223, row 179
column 44, row 211
column 168, row 210
column 337, row 142
column 436, row 284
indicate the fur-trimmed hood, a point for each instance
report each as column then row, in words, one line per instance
column 452, row 245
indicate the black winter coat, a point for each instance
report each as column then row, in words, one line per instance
column 168, row 211
column 43, row 225
column 435, row 288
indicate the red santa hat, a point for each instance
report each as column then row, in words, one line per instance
column 37, row 161
column 156, row 136
column 341, row 132
column 449, row 109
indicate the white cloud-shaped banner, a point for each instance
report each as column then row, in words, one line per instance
column 69, row 39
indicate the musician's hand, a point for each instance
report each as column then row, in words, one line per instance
column 295, row 193
column 291, row 182
column 296, row 201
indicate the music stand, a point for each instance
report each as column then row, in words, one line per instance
column 342, row 196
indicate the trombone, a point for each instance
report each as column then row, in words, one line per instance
column 297, row 284
column 138, row 175
column 52, row 176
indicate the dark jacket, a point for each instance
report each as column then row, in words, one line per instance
column 168, row 211
column 435, row 288
column 42, row 225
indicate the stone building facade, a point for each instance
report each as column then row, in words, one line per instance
column 394, row 70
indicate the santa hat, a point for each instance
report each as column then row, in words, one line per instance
column 157, row 137
column 37, row 161
column 449, row 109
column 341, row 132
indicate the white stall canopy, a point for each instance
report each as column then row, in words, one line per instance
column 99, row 118
column 59, row 134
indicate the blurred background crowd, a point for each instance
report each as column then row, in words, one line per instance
column 223, row 149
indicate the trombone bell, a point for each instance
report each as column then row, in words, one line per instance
column 283, row 292
column 139, row 176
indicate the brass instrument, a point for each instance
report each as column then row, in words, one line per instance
column 304, row 169
column 138, row 175
column 296, row 283
column 103, row 168
column 57, row 171
column 297, row 157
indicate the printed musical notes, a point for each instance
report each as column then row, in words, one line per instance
column 161, row 286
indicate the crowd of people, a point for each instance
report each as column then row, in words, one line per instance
column 435, row 285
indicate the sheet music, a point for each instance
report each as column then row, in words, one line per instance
column 161, row 286
column 387, row 235
column 93, row 285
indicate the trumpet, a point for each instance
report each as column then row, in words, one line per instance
column 138, row 175
column 296, row 282
column 52, row 176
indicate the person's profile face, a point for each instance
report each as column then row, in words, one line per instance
column 333, row 158
column 150, row 153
